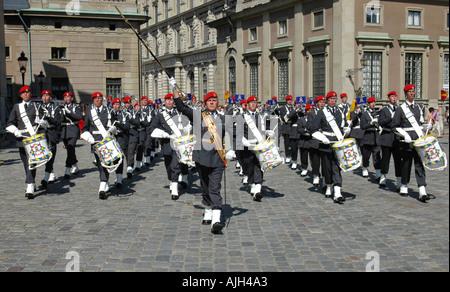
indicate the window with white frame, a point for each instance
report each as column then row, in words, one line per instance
column 373, row 15
column 253, row 34
column 414, row 18
column 254, row 81
column 283, row 77
column 413, row 71
column 318, row 74
column 283, row 29
column 114, row 87
column 372, row 75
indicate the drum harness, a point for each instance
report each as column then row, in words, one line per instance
column 412, row 120
column 98, row 123
column 332, row 122
column 26, row 120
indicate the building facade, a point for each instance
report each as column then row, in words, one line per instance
column 251, row 47
column 179, row 35
column 307, row 48
column 79, row 46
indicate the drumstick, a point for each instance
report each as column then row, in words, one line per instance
column 148, row 49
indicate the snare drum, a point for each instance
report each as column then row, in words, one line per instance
column 109, row 153
column 268, row 155
column 184, row 146
column 38, row 151
column 348, row 154
column 429, row 150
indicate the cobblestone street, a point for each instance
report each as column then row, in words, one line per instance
column 294, row 229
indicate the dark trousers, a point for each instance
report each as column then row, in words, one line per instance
column 287, row 145
column 211, row 183
column 135, row 148
column 103, row 173
column 375, row 152
column 410, row 154
column 252, row 167
column 330, row 169
column 49, row 164
column 30, row 175
column 315, row 161
column 119, row 169
column 386, row 153
column 173, row 167
column 70, row 144
column 294, row 149
column 304, row 153
column 150, row 145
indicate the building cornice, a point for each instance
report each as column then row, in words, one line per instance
column 83, row 14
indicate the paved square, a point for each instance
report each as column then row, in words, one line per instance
column 294, row 228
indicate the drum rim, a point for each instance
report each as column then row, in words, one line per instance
column 346, row 139
column 28, row 140
column 423, row 140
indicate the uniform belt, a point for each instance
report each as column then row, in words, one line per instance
column 67, row 124
column 357, row 127
column 96, row 133
column 140, row 129
column 409, row 129
column 387, row 130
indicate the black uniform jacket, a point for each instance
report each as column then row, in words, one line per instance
column 205, row 152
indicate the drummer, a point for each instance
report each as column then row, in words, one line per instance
column 52, row 114
column 23, row 121
column 97, row 126
column 121, row 120
column 169, row 124
column 409, row 130
column 314, row 151
column 370, row 141
column 250, row 162
column 327, row 127
column 389, row 145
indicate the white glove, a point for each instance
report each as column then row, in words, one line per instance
column 347, row 131
column 374, row 121
column 87, row 136
column 405, row 135
column 18, row 134
column 66, row 110
column 270, row 133
column 43, row 124
column 14, row 130
column 427, row 127
column 158, row 133
column 249, row 143
column 112, row 130
column 172, row 83
column 321, row 137
column 230, row 155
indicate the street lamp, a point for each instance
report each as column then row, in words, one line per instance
column 23, row 61
column 350, row 72
column 40, row 79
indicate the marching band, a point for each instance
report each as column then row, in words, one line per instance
column 332, row 138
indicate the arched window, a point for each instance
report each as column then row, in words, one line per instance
column 232, row 76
